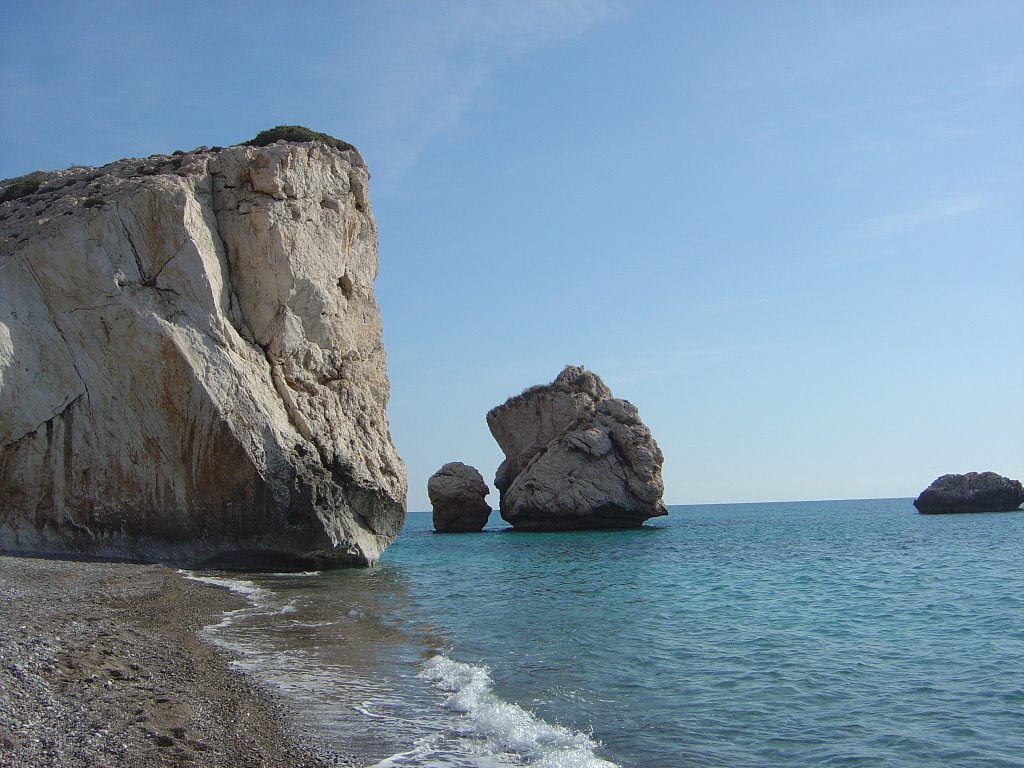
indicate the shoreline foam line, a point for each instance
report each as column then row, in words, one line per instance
column 260, row 600
column 507, row 727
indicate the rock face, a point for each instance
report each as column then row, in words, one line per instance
column 973, row 492
column 191, row 366
column 457, row 492
column 575, row 458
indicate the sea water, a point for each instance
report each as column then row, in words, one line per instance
column 837, row 633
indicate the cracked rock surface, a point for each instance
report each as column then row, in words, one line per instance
column 191, row 366
column 575, row 457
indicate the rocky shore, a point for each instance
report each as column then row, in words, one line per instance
column 101, row 665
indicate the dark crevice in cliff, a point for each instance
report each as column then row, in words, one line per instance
column 90, row 309
column 135, row 251
column 234, row 309
column 147, row 280
column 49, row 421
column 56, row 325
column 151, row 282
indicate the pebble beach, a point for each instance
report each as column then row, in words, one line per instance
column 102, row 664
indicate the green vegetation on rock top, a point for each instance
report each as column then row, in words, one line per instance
column 21, row 188
column 295, row 133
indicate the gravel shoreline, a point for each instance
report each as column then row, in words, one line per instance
column 101, row 665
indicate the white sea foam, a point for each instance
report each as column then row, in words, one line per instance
column 260, row 600
column 431, row 751
column 506, row 727
column 256, row 595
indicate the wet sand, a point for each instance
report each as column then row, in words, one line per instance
column 101, row 665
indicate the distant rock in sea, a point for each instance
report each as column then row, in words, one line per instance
column 191, row 368
column 457, row 494
column 973, row 492
column 575, row 458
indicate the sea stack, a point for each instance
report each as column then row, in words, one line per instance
column 973, row 492
column 457, row 494
column 575, row 458
column 191, row 367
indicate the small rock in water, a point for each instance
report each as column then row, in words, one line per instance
column 973, row 492
column 457, row 492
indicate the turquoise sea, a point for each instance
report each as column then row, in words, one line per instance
column 833, row 633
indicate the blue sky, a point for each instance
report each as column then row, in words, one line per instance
column 792, row 233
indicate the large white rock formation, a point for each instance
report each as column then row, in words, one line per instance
column 191, row 366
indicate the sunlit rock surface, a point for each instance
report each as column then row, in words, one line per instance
column 575, row 457
column 191, row 366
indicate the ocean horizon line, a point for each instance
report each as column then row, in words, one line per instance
column 741, row 503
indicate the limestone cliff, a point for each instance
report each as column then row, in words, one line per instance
column 191, row 366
